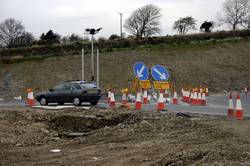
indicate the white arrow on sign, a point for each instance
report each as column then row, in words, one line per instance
column 162, row 75
column 139, row 72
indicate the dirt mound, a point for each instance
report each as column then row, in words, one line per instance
column 121, row 137
column 85, row 123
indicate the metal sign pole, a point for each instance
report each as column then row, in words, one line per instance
column 82, row 64
column 97, row 67
column 92, row 58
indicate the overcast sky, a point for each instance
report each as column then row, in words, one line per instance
column 73, row 16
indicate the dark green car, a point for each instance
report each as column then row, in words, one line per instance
column 74, row 92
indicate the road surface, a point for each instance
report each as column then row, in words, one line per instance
column 216, row 105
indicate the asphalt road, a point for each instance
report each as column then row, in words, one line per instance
column 216, row 105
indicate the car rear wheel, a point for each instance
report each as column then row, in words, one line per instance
column 43, row 101
column 76, row 101
column 93, row 102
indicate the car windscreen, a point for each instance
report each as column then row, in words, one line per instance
column 88, row 85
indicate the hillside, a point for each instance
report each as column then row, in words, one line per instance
column 219, row 65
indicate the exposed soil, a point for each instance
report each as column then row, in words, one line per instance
column 120, row 137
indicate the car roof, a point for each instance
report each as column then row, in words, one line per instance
column 79, row 81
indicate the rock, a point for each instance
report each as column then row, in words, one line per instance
column 18, row 145
column 45, row 131
column 55, row 139
column 144, row 122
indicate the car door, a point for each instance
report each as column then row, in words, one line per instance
column 67, row 93
column 54, row 94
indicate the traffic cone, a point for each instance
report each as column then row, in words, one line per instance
column 188, row 96
column 112, row 100
column 203, row 99
column 160, row 105
column 109, row 96
column 230, row 110
column 175, row 99
column 30, row 99
column 199, row 101
column 138, row 101
column 149, row 98
column 239, row 110
column 195, row 99
column 183, row 95
column 191, row 97
column 124, row 99
column 206, row 91
column 145, row 97
column 245, row 90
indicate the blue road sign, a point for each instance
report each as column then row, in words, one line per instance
column 141, row 71
column 159, row 73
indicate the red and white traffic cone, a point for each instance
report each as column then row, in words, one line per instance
column 195, row 99
column 175, row 98
column 112, row 100
column 124, row 99
column 145, row 97
column 160, row 104
column 191, row 97
column 206, row 91
column 30, row 101
column 183, row 95
column 199, row 101
column 230, row 110
column 138, row 105
column 203, row 99
column 239, row 111
column 109, row 96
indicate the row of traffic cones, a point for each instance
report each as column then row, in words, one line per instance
column 138, row 102
column 194, row 98
column 238, row 111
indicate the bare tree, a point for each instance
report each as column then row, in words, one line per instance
column 10, row 30
column 234, row 12
column 246, row 22
column 144, row 21
column 183, row 25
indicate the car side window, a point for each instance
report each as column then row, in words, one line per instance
column 66, row 87
column 77, row 86
column 58, row 87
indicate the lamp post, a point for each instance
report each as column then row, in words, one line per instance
column 92, row 31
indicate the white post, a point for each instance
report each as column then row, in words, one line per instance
column 92, row 59
column 82, row 64
column 97, row 67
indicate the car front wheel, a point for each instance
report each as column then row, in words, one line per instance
column 43, row 101
column 76, row 101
